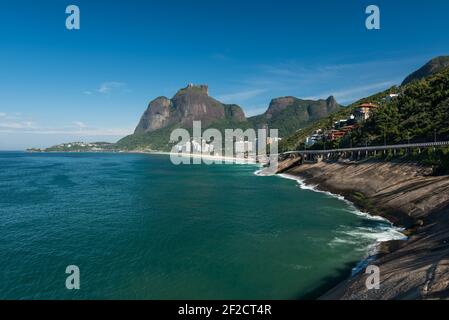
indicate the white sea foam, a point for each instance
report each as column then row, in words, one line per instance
column 265, row 172
column 384, row 231
column 353, row 209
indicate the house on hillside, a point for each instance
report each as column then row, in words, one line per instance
column 391, row 97
column 335, row 135
column 363, row 112
column 314, row 138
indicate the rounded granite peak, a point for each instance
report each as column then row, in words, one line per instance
column 192, row 88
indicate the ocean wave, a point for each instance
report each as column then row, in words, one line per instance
column 352, row 208
column 265, row 172
column 379, row 233
column 338, row 241
column 383, row 231
column 359, row 234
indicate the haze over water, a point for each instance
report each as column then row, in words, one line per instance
column 139, row 227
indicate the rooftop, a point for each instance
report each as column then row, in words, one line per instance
column 368, row 105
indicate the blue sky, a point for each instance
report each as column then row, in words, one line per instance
column 93, row 84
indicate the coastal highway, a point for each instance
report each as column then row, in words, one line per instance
column 371, row 148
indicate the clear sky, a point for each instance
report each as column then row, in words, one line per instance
column 94, row 83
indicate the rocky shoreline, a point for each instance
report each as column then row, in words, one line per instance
column 408, row 195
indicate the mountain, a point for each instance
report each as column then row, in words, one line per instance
column 288, row 114
column 193, row 103
column 420, row 113
column 433, row 66
column 189, row 104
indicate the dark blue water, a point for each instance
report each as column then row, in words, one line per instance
column 139, row 227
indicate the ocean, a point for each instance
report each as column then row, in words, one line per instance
column 139, row 227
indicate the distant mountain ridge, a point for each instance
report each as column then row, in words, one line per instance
column 433, row 66
column 418, row 112
column 193, row 103
column 289, row 114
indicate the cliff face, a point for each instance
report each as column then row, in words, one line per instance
column 156, row 116
column 288, row 114
column 193, row 103
column 309, row 109
column 433, row 66
column 189, row 104
column 407, row 195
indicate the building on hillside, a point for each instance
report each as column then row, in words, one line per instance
column 351, row 121
column 196, row 147
column 364, row 111
column 345, row 122
column 348, row 128
column 243, row 146
column 391, row 97
column 271, row 140
column 335, row 135
column 206, row 147
column 317, row 136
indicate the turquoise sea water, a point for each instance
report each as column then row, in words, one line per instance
column 139, row 227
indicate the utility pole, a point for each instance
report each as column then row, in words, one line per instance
column 366, row 146
column 408, row 142
column 435, row 140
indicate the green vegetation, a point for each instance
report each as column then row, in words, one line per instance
column 296, row 141
column 156, row 140
column 77, row 147
column 297, row 115
column 419, row 114
column 159, row 139
column 421, row 111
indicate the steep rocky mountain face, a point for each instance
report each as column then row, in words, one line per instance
column 193, row 103
column 288, row 114
column 156, row 116
column 189, row 104
column 433, row 66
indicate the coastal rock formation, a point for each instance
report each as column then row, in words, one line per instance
column 406, row 194
column 156, row 116
column 189, row 104
column 288, row 114
column 433, row 66
column 193, row 103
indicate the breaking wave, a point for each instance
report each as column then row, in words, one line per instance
column 381, row 231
